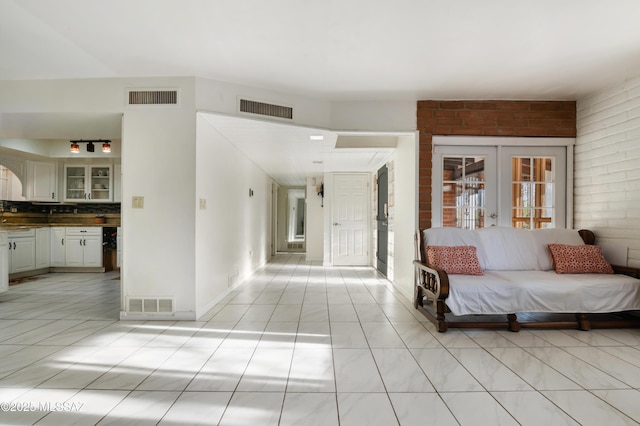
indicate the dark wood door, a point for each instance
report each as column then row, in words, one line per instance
column 382, row 219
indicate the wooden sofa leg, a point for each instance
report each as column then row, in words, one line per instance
column 440, row 309
column 583, row 322
column 514, row 325
column 417, row 297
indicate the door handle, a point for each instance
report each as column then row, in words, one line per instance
column 336, row 224
column 493, row 215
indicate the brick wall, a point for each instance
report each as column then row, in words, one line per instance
column 607, row 167
column 485, row 118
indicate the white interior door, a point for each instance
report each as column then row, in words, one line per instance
column 350, row 219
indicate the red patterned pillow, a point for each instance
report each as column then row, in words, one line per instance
column 455, row 259
column 582, row 259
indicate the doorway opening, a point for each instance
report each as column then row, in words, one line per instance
column 291, row 220
column 10, row 185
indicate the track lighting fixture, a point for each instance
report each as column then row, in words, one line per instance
column 75, row 147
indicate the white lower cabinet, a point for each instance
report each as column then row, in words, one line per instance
column 22, row 251
column 58, row 255
column 4, row 262
column 83, row 247
column 43, row 247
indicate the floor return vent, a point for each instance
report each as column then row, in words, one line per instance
column 159, row 305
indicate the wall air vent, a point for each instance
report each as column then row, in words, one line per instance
column 261, row 108
column 152, row 97
column 151, row 305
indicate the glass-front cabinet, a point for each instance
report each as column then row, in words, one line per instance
column 90, row 183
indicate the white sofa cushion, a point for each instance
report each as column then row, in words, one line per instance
column 455, row 237
column 507, row 249
column 541, row 238
column 510, row 292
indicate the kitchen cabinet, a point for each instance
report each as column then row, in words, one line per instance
column 43, row 247
column 58, row 257
column 22, row 251
column 83, row 247
column 88, row 183
column 42, row 181
column 4, row 262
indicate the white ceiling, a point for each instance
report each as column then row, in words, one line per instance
column 291, row 153
column 333, row 49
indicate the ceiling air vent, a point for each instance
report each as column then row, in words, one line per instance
column 271, row 110
column 152, row 97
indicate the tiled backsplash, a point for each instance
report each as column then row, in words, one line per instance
column 28, row 207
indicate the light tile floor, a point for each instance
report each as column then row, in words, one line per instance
column 299, row 344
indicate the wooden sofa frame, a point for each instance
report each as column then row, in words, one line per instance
column 432, row 290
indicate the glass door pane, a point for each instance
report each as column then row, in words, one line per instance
column 464, row 198
column 75, row 182
column 536, row 197
column 100, row 183
column 463, row 186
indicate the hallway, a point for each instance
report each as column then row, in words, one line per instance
column 299, row 344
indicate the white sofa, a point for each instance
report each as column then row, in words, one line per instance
column 518, row 276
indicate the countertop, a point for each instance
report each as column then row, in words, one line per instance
column 24, row 221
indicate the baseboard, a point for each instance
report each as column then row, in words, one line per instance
column 241, row 282
column 402, row 291
column 77, row 269
column 176, row 316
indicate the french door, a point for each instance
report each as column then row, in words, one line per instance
column 514, row 186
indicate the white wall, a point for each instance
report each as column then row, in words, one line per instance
column 396, row 116
column 405, row 212
column 315, row 220
column 233, row 232
column 159, row 163
column 607, row 176
column 215, row 96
